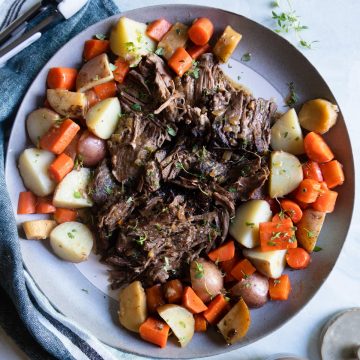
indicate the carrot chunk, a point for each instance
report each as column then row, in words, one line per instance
column 173, row 291
column 243, row 269
column 298, row 258
column 192, row 302
column 154, row 298
column 292, row 210
column 311, row 170
column 59, row 137
column 106, row 90
column 200, row 323
column 333, row 173
column 180, row 61
column 316, row 148
column 94, row 48
column 26, row 203
column 122, row 68
column 197, row 50
column 60, row 167
column 227, row 266
column 201, row 31
column 64, row 215
column 223, row 253
column 154, row 331
column 326, row 201
column 308, row 191
column 61, row 78
column 158, row 28
column 279, row 289
column 282, row 218
column 276, row 236
column 44, row 205
column 216, row 309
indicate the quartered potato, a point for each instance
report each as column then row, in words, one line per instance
column 245, row 227
column 38, row 229
column 39, row 122
column 176, row 37
column 133, row 310
column 94, row 72
column 71, row 192
column 286, row 134
column 180, row 320
column 72, row 241
column 226, row 44
column 33, row 167
column 67, row 103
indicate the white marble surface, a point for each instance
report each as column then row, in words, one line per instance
column 337, row 56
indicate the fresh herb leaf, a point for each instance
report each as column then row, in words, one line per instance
column 310, row 234
column 159, row 51
column 292, row 98
column 171, row 131
column 277, row 281
column 178, row 31
column 286, row 133
column 194, row 72
column 232, row 190
column 250, row 224
column 112, row 67
column 199, row 270
column 79, row 162
column 77, row 195
column 317, row 248
column 70, row 235
column 108, row 190
column 141, row 239
column 136, row 107
column 100, row 36
column 246, row 57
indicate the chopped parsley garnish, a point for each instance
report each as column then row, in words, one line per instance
column 159, row 51
column 77, row 195
column 286, row 133
column 182, row 324
column 232, row 190
column 79, row 162
column 178, row 31
column 309, row 233
column 292, row 98
column 317, row 248
column 108, row 190
column 171, row 131
column 100, row 36
column 141, row 239
column 136, row 107
column 130, row 46
column 246, row 57
column 277, row 282
column 194, row 71
column 199, row 270
column 70, row 235
column 250, row 224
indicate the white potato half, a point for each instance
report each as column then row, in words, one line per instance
column 94, row 72
column 67, row 103
column 286, row 134
column 180, row 320
column 72, row 241
column 33, row 166
column 103, row 117
column 269, row 263
column 71, row 192
column 285, row 173
column 245, row 227
column 39, row 122
column 128, row 39
column 38, row 229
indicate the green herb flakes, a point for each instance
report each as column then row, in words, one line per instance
column 136, row 107
column 171, row 131
column 246, row 57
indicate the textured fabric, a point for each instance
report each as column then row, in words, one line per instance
column 25, row 313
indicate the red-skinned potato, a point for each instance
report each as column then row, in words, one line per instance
column 254, row 290
column 91, row 148
column 206, row 279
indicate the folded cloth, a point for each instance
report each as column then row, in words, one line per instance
column 25, row 313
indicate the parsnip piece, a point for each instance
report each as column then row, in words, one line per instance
column 176, row 37
column 38, row 229
column 226, row 44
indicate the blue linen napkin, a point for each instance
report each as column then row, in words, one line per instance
column 25, row 314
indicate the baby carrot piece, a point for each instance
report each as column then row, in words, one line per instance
column 326, row 201
column 216, row 309
column 154, row 298
column 60, row 167
column 26, row 203
column 197, row 50
column 180, row 61
column 61, row 78
column 223, row 253
column 308, row 191
column 311, row 170
column 44, row 205
column 316, row 148
column 192, row 302
column 243, row 269
column 154, row 331
column 64, row 215
column 122, row 68
column 158, row 28
column 298, row 258
column 279, row 289
column 201, row 31
column 173, row 291
column 292, row 210
column 94, row 48
column 333, row 173
column 106, row 90
column 200, row 323
column 59, row 137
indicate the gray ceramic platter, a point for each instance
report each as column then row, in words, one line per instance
column 81, row 291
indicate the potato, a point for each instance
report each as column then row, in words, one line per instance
column 71, row 192
column 33, row 166
column 39, row 122
column 286, row 134
column 180, row 320
column 206, row 279
column 309, row 227
column 236, row 323
column 133, row 310
column 285, row 173
column 254, row 290
column 226, row 44
column 38, row 229
column 128, row 39
column 94, row 72
column 269, row 263
column 72, row 241
column 176, row 37
column 67, row 103
column 245, row 227
column 318, row 115
column 103, row 117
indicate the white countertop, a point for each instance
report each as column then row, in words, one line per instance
column 337, row 57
